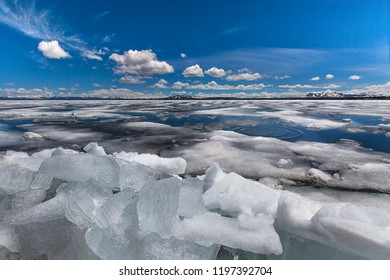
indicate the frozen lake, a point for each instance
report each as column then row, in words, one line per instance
column 291, row 179
column 112, row 122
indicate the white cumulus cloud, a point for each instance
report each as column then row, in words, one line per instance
column 142, row 62
column 51, row 49
column 160, row 84
column 331, row 86
column 216, row 72
column 193, row 71
column 297, row 86
column 131, row 80
column 329, row 76
column 315, row 79
column 244, row 76
column 183, row 55
column 355, row 77
column 180, row 85
column 213, row 85
column 300, row 86
column 26, row 93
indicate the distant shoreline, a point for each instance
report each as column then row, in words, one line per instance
column 211, row 98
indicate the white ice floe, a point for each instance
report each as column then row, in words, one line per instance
column 298, row 118
column 259, row 157
column 64, row 134
column 32, row 136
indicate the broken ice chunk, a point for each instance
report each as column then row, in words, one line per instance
column 116, row 235
column 53, row 152
column 14, row 178
column 211, row 228
column 158, row 206
column 82, row 201
column 114, row 243
column 6, row 254
column 81, row 168
column 55, row 240
column 213, row 174
column 236, row 194
column 294, row 214
column 62, row 151
column 119, row 242
column 50, row 210
column 112, row 208
column 11, row 204
column 174, row 249
column 191, row 198
column 250, row 222
column 12, row 156
column 134, row 175
column 8, row 238
column 24, row 160
column 94, row 149
column 26, row 199
column 43, row 154
column 171, row 166
column 162, row 202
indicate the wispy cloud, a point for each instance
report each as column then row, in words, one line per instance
column 101, row 15
column 108, row 37
column 38, row 24
column 28, row 20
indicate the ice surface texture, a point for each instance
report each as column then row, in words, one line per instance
column 63, row 204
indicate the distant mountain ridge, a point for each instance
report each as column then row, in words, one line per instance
column 327, row 94
column 348, row 95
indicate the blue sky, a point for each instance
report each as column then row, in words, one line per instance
column 194, row 47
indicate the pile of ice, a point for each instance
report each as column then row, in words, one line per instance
column 62, row 204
